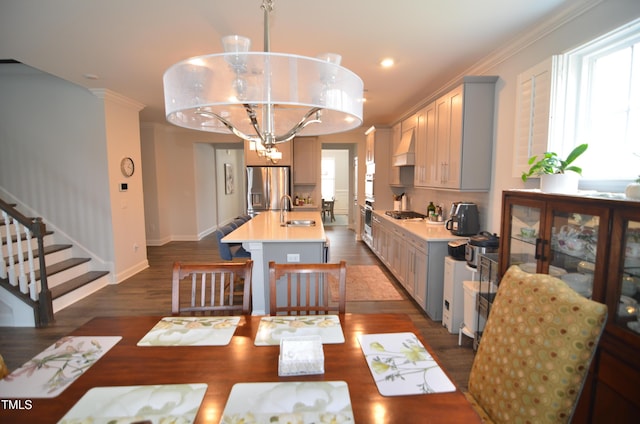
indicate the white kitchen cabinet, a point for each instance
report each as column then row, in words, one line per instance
column 457, row 143
column 378, row 141
column 370, row 146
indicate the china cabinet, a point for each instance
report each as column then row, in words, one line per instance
column 593, row 244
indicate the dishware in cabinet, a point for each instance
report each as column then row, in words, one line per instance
column 556, row 235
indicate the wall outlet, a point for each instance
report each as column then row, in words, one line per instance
column 293, row 257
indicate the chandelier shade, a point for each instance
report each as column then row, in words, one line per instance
column 262, row 97
column 233, row 86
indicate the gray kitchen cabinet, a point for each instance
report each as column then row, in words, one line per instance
column 457, row 144
column 417, row 263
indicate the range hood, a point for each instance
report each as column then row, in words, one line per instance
column 404, row 155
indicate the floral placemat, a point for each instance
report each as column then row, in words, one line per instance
column 400, row 365
column 273, row 328
column 191, row 331
column 291, row 402
column 170, row 403
column 53, row 370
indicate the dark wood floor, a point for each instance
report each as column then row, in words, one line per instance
column 149, row 293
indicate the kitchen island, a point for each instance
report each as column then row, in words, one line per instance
column 267, row 240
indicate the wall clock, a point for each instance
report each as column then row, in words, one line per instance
column 127, row 167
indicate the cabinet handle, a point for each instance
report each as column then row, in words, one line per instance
column 540, row 243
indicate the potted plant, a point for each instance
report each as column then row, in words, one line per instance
column 632, row 191
column 553, row 171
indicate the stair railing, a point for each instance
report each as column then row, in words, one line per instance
column 20, row 272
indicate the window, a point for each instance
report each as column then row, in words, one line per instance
column 328, row 174
column 597, row 101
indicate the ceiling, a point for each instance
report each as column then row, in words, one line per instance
column 126, row 46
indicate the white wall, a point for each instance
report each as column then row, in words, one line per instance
column 184, row 182
column 57, row 161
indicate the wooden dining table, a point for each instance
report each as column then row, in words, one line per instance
column 241, row 361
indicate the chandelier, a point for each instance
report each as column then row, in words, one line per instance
column 262, row 97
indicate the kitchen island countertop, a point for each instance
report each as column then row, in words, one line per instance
column 265, row 227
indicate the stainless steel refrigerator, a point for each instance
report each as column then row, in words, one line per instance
column 265, row 187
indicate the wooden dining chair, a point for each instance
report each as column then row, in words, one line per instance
column 535, row 351
column 212, row 287
column 305, row 288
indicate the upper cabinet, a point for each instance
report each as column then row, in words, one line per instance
column 306, row 160
column 370, row 146
column 251, row 158
column 455, row 138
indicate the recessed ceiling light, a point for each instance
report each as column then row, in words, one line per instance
column 91, row 76
column 387, row 63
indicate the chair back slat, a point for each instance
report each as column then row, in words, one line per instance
column 307, row 288
column 215, row 287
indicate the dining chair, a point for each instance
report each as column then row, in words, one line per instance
column 535, row 351
column 303, row 289
column 212, row 287
column 327, row 208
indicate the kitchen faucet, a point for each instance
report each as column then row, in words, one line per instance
column 283, row 206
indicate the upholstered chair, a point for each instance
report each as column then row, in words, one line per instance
column 535, row 350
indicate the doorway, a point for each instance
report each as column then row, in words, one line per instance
column 336, row 181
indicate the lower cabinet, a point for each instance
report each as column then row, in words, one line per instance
column 417, row 263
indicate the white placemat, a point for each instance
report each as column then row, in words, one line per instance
column 191, row 331
column 400, row 365
column 171, row 403
column 291, row 402
column 273, row 328
column 54, row 369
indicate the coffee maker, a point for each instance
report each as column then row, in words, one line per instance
column 464, row 219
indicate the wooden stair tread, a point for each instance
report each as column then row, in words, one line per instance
column 74, row 283
column 47, row 250
column 62, row 266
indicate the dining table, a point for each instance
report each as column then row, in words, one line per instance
column 243, row 360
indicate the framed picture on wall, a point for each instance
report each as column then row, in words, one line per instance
column 228, row 178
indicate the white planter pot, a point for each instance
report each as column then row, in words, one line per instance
column 633, row 191
column 559, row 183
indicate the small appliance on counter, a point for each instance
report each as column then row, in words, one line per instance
column 480, row 244
column 457, row 249
column 464, row 219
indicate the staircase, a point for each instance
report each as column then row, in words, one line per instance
column 29, row 296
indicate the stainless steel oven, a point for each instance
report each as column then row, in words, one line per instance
column 368, row 217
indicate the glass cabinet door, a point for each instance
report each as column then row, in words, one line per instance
column 627, row 313
column 574, row 244
column 525, row 232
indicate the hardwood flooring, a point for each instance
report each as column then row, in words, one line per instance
column 149, row 293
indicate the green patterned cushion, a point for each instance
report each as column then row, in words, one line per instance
column 535, row 349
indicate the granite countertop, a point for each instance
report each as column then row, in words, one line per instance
column 421, row 228
column 265, row 227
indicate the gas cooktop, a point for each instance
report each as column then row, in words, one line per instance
column 405, row 214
